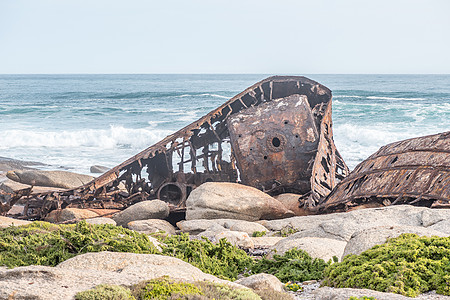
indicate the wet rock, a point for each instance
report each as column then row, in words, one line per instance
column 262, row 281
column 58, row 179
column 316, row 247
column 152, row 209
column 98, row 169
column 367, row 238
column 6, row 222
column 223, row 200
column 68, row 214
column 151, row 225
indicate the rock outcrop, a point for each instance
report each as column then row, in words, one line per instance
column 88, row 270
column 151, row 209
column 152, row 225
column 58, row 179
column 223, row 200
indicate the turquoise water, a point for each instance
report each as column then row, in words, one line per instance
column 75, row 121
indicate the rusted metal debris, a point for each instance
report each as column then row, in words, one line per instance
column 414, row 171
column 276, row 136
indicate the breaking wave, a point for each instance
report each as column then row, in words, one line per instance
column 114, row 137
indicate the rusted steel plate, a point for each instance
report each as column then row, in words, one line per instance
column 301, row 156
column 414, row 171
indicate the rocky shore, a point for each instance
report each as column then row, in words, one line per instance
column 247, row 218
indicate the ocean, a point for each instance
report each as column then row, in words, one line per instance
column 71, row 122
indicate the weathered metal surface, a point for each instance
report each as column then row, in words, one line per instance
column 280, row 140
column 414, row 171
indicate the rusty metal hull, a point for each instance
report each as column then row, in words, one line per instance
column 414, row 171
column 276, row 136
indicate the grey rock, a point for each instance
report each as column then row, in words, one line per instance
column 144, row 210
column 327, row 293
column 244, row 226
column 101, row 221
column 58, row 179
column 200, row 225
column 262, row 281
column 266, row 241
column 316, row 247
column 341, row 226
column 98, row 169
column 151, row 225
column 367, row 238
column 6, row 222
column 434, row 216
column 224, row 200
column 194, row 227
column 68, row 214
column 236, row 238
column 290, row 201
column 88, row 270
column 10, row 186
column 442, row 226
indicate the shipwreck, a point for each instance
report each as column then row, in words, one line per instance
column 414, row 171
column 275, row 136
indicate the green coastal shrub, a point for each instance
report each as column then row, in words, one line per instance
column 106, row 292
column 164, row 288
column 168, row 289
column 407, row 265
column 294, row 265
column 222, row 259
column 258, row 233
column 42, row 243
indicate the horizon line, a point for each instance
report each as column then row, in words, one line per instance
column 283, row 74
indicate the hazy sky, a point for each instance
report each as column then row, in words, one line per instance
column 211, row 36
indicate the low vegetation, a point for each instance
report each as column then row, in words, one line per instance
column 294, row 265
column 168, row 289
column 42, row 243
column 106, row 292
column 407, row 265
column 222, row 259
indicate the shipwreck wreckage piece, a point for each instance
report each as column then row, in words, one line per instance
column 414, row 171
column 275, row 136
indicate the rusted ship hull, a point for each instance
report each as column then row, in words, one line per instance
column 276, row 136
column 414, row 171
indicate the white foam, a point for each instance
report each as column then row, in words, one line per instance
column 346, row 96
column 203, row 95
column 392, row 98
column 114, row 137
column 357, row 142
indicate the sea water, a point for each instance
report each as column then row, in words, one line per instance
column 74, row 121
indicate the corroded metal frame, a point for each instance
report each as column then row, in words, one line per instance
column 414, row 171
column 201, row 152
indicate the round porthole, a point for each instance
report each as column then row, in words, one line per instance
column 276, row 142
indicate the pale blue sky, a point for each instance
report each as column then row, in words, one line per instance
column 207, row 36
